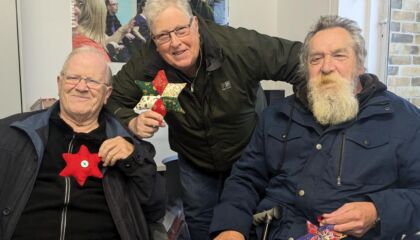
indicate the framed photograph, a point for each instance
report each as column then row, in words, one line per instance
column 116, row 28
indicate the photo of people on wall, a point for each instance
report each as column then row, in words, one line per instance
column 117, row 28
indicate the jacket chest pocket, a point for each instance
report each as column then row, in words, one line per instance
column 366, row 156
column 286, row 147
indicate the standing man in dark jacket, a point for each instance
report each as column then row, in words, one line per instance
column 50, row 185
column 222, row 68
column 348, row 155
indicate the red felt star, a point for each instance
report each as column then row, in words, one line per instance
column 81, row 165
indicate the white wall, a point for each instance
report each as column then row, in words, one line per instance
column 258, row 15
column 45, row 41
column 295, row 17
column 289, row 19
column 10, row 102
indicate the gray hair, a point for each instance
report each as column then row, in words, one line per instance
column 90, row 50
column 332, row 21
column 153, row 8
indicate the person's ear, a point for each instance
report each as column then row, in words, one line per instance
column 107, row 94
column 59, row 86
column 58, row 83
column 195, row 22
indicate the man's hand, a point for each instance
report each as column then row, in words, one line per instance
column 115, row 149
column 116, row 46
column 354, row 218
column 126, row 28
column 146, row 124
column 130, row 36
column 230, row 235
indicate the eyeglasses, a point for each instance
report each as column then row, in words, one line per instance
column 76, row 79
column 181, row 31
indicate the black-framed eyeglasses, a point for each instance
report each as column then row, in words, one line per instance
column 74, row 80
column 181, row 31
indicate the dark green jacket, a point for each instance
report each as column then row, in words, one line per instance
column 220, row 113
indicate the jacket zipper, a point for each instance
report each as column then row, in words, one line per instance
column 342, row 146
column 340, row 159
column 202, row 111
column 206, row 105
column 197, row 71
column 63, row 225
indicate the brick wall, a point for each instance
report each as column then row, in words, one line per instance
column 404, row 50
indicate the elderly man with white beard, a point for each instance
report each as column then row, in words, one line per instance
column 341, row 155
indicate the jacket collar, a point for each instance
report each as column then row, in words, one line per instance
column 33, row 126
column 212, row 53
column 372, row 99
column 371, row 85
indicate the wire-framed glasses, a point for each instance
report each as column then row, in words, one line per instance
column 181, row 31
column 74, row 79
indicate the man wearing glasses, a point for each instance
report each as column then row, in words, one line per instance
column 222, row 68
column 112, row 21
column 73, row 171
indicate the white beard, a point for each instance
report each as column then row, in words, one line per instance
column 332, row 100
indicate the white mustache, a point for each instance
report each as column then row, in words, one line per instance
column 335, row 105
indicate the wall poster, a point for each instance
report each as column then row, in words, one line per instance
column 118, row 27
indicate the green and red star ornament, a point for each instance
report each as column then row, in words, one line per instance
column 81, row 165
column 160, row 95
